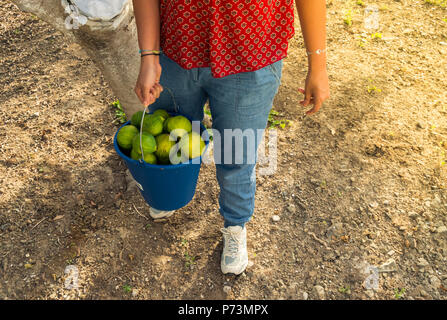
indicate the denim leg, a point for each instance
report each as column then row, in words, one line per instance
column 240, row 101
column 184, row 85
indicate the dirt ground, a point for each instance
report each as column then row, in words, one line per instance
column 362, row 183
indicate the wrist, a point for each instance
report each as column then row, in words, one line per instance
column 150, row 60
column 317, row 62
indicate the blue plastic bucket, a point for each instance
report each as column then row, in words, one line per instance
column 164, row 187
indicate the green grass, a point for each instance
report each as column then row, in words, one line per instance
column 275, row 121
column 190, row 260
column 399, row 293
column 376, row 35
column 372, row 88
column 441, row 3
column 206, row 109
column 127, row 288
column 345, row 290
column 348, row 18
column 120, row 116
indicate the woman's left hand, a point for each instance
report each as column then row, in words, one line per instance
column 316, row 90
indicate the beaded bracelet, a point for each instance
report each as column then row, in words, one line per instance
column 319, row 51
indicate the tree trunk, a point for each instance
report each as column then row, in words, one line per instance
column 112, row 45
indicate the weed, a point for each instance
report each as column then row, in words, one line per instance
column 345, row 290
column 190, row 260
column 376, row 35
column 323, row 184
column 120, row 116
column 274, row 122
column 206, row 110
column 127, row 288
column 210, row 134
column 372, row 88
column 441, row 3
column 398, row 293
column 363, row 41
column 348, row 18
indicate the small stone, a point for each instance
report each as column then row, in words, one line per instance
column 386, row 202
column 391, row 252
column 435, row 281
column 370, row 293
column 135, row 292
column 413, row 215
column 437, row 200
column 335, row 230
column 293, row 290
column 423, row 293
column 276, row 218
column 388, row 266
column 291, row 208
column 305, row 295
column 442, row 230
column 421, row 262
column 227, row 289
column 374, row 204
column 89, row 259
column 319, row 292
column 420, row 125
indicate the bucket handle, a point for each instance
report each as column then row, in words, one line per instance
column 146, row 109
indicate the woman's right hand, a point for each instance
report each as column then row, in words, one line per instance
column 148, row 88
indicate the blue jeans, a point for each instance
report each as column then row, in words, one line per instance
column 238, row 101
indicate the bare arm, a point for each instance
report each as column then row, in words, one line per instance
column 147, row 18
column 312, row 14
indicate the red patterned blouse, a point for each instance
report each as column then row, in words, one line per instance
column 230, row 36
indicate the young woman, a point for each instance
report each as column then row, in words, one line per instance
column 228, row 52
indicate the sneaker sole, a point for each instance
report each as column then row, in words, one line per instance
column 242, row 269
column 162, row 217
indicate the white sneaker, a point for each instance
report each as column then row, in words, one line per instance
column 234, row 256
column 160, row 214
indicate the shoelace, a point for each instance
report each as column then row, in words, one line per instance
column 233, row 243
